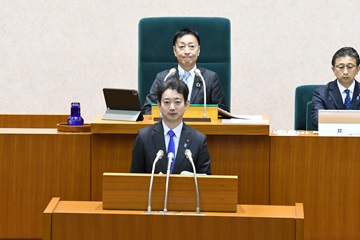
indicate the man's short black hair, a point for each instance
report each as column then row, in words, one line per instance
column 346, row 51
column 185, row 31
column 173, row 84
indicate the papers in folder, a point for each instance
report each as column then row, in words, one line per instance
column 241, row 119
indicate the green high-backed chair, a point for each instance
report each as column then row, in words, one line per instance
column 303, row 106
column 156, row 50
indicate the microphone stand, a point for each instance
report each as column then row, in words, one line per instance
column 159, row 155
column 189, row 156
column 170, row 159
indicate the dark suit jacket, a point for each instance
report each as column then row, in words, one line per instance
column 214, row 91
column 151, row 139
column 329, row 97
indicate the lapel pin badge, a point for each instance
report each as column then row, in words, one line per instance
column 186, row 142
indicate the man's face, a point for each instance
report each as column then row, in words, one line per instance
column 345, row 70
column 187, row 50
column 172, row 107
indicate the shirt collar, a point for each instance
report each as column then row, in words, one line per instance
column 176, row 130
column 342, row 88
column 181, row 71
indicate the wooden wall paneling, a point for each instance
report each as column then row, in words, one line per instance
column 246, row 157
column 323, row 173
column 33, row 169
column 109, row 153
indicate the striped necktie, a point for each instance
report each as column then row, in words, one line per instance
column 186, row 77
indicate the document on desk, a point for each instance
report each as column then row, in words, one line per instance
column 241, row 119
column 250, row 119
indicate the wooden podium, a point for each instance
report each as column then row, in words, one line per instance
column 112, row 219
column 87, row 220
column 126, row 191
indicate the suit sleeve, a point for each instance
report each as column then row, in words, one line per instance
column 317, row 104
column 138, row 164
column 217, row 93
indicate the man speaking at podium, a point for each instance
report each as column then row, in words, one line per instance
column 186, row 47
column 170, row 135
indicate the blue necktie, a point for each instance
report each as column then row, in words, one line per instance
column 186, row 76
column 171, row 148
column 347, row 100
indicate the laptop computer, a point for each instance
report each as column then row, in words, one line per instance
column 122, row 104
column 339, row 123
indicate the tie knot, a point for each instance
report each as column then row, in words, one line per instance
column 347, row 91
column 171, row 133
column 186, row 75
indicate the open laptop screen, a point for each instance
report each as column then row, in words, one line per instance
column 339, row 122
column 122, row 99
column 122, row 104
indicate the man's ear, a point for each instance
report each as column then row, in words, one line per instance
column 187, row 103
column 357, row 69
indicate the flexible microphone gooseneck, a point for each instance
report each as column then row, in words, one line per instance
column 198, row 73
column 159, row 155
column 189, row 156
column 170, row 73
column 170, row 159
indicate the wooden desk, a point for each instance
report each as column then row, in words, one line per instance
column 324, row 174
column 235, row 149
column 88, row 221
column 99, row 126
column 31, row 120
column 35, row 165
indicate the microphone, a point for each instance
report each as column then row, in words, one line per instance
column 159, row 155
column 198, row 73
column 171, row 73
column 170, row 159
column 189, row 156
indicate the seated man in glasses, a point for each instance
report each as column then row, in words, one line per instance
column 344, row 91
